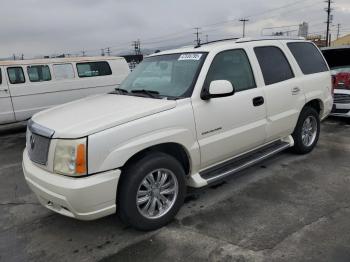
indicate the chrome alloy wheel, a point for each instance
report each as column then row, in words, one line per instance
column 309, row 131
column 157, row 193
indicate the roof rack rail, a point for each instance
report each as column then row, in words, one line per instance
column 215, row 41
column 251, row 39
column 262, row 38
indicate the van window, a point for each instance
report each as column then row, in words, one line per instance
column 93, row 69
column 308, row 57
column 16, row 75
column 63, row 71
column 39, row 73
column 274, row 64
column 234, row 66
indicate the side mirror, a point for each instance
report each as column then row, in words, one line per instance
column 218, row 88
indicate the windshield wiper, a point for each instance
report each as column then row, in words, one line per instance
column 149, row 93
column 120, row 91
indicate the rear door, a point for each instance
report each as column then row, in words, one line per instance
column 283, row 90
column 232, row 125
column 6, row 110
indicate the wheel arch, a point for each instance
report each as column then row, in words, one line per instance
column 173, row 149
column 316, row 104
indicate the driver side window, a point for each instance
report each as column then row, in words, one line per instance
column 233, row 66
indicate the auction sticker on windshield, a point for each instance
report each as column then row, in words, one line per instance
column 190, row 57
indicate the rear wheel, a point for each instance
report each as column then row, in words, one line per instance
column 307, row 131
column 151, row 192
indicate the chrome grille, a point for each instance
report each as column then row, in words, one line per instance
column 341, row 98
column 38, row 140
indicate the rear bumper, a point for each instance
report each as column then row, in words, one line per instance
column 341, row 105
column 342, row 110
column 85, row 198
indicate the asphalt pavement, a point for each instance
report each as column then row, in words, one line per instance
column 288, row 208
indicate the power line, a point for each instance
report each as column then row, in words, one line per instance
column 277, row 8
column 184, row 32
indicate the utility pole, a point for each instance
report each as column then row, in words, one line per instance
column 207, row 38
column 338, row 31
column 83, row 52
column 137, row 47
column 22, row 57
column 14, row 57
column 108, row 51
column 102, row 52
column 328, row 11
column 197, row 33
column 243, row 20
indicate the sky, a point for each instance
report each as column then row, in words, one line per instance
column 47, row 27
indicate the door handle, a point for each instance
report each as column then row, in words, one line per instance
column 258, row 101
column 4, row 90
column 295, row 90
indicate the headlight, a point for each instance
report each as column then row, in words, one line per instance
column 70, row 157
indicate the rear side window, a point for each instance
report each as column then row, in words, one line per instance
column 63, row 71
column 308, row 57
column 233, row 66
column 39, row 73
column 93, row 69
column 274, row 64
column 16, row 75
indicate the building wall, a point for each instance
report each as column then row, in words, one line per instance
column 345, row 40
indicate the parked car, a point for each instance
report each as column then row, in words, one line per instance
column 185, row 117
column 338, row 59
column 29, row 86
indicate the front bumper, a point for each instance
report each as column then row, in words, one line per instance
column 84, row 198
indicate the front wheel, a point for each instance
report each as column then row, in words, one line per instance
column 151, row 192
column 307, row 131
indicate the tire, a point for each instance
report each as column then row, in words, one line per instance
column 304, row 146
column 140, row 216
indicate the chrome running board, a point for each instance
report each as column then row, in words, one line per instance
column 240, row 163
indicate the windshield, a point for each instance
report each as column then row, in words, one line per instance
column 168, row 75
column 340, row 69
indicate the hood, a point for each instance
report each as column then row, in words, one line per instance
column 96, row 113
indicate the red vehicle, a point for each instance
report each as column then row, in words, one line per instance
column 338, row 59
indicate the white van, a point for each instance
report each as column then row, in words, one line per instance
column 29, row 86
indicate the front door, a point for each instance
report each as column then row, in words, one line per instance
column 6, row 109
column 229, row 126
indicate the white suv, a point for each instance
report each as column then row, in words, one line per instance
column 185, row 117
